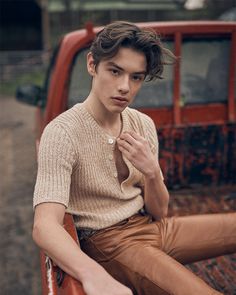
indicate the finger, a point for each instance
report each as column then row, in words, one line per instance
column 124, row 144
column 142, row 140
column 135, row 135
column 128, row 137
column 124, row 151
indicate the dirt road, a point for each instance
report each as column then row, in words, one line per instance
column 19, row 260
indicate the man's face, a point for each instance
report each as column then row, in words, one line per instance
column 117, row 80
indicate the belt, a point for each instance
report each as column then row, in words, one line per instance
column 84, row 233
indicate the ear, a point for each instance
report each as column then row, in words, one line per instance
column 90, row 64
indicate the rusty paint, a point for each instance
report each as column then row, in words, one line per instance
column 198, row 155
column 232, row 80
column 195, row 140
column 177, row 81
column 197, row 143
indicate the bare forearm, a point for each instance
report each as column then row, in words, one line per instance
column 156, row 196
column 63, row 250
column 50, row 235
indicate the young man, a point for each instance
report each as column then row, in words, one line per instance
column 99, row 161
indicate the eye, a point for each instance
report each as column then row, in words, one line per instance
column 114, row 72
column 138, row 77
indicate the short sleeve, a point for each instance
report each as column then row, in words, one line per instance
column 56, row 158
column 150, row 132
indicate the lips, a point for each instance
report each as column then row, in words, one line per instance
column 120, row 98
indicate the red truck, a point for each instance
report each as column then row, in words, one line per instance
column 193, row 107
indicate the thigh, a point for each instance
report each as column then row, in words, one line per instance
column 149, row 271
column 131, row 253
column 192, row 238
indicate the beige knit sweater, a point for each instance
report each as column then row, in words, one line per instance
column 76, row 168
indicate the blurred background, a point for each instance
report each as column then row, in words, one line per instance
column 29, row 30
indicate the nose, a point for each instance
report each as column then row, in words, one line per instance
column 123, row 86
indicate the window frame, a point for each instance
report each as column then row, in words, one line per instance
column 184, row 114
column 212, row 113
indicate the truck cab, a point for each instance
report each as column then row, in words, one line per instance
column 193, row 107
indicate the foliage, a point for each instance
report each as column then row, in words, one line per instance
column 8, row 88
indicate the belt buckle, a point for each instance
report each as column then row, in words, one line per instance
column 142, row 211
column 85, row 233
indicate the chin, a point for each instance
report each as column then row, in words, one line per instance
column 118, row 110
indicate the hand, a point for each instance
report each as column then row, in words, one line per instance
column 100, row 282
column 137, row 150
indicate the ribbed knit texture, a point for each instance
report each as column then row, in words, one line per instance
column 76, row 168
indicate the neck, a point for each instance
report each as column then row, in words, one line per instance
column 110, row 122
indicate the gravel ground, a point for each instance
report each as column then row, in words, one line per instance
column 19, row 257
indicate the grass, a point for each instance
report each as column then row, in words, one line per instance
column 8, row 88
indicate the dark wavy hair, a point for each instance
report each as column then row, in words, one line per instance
column 125, row 34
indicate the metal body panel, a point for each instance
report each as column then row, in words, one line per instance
column 197, row 142
column 196, row 155
column 179, row 127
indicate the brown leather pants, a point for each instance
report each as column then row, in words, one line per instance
column 147, row 256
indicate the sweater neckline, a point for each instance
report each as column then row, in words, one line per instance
column 101, row 130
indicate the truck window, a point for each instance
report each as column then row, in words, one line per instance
column 204, row 70
column 153, row 94
column 80, row 80
column 158, row 93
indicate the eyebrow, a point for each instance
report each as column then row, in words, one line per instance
column 110, row 63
